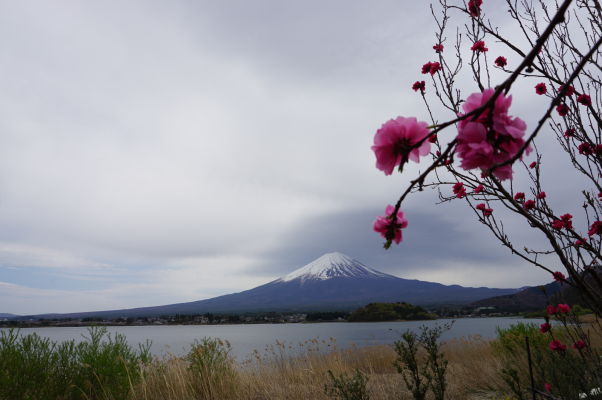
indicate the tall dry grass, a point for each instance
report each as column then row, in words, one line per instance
column 299, row 372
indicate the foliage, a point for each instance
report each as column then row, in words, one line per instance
column 102, row 366
column 432, row 373
column 212, row 366
column 346, row 387
column 389, row 312
column 568, row 372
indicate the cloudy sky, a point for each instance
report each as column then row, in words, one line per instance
column 158, row 152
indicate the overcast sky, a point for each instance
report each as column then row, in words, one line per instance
column 158, row 152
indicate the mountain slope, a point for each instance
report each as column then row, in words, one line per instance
column 332, row 282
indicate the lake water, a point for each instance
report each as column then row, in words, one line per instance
column 176, row 339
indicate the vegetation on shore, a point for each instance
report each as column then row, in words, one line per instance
column 390, row 312
column 107, row 368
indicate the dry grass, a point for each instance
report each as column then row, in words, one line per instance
column 283, row 372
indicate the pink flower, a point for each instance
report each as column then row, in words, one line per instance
column 419, row 85
column 479, row 46
column 580, row 242
column 568, row 220
column 566, row 90
column 557, row 224
column 474, row 7
column 433, row 138
column 540, row 88
column 595, row 229
column 563, row 308
column 541, row 195
column 478, row 189
column 533, row 164
column 556, row 345
column 489, row 139
column 547, row 387
column 586, row 149
column 388, row 228
column 551, row 309
column 486, row 211
column 565, row 221
column 562, row 109
column 529, row 204
column 579, row 345
column 519, row 196
column 558, row 276
column 396, row 142
column 584, row 99
column 570, row 132
column 543, row 328
column 501, row 62
column 431, row 67
column 438, row 48
column 459, row 190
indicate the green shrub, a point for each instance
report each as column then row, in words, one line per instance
column 569, row 373
column 213, row 367
column 345, row 387
column 36, row 368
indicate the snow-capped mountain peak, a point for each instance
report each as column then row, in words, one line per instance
column 333, row 265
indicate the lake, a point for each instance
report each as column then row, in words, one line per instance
column 176, row 339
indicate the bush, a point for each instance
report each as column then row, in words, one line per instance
column 567, row 372
column 347, row 387
column 32, row 367
column 212, row 366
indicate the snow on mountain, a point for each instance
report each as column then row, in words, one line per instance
column 332, row 265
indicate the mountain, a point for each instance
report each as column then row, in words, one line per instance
column 5, row 315
column 332, row 282
column 538, row 297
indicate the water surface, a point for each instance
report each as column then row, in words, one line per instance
column 176, row 339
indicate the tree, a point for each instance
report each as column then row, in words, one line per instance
column 485, row 155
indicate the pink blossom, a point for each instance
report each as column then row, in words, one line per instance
column 474, row 7
column 541, row 195
column 556, row 345
column 563, row 308
column 543, row 328
column 459, row 190
column 438, row 48
column 433, row 138
column 501, row 62
column 551, row 309
column 547, row 387
column 586, row 149
column 557, row 224
column 558, row 276
column 431, row 68
column 541, row 88
column 595, row 229
column 529, row 204
column 533, row 164
column 584, row 99
column 489, row 139
column 388, row 228
column 486, row 211
column 519, row 196
column 566, row 90
column 570, row 132
column 479, row 46
column 568, row 220
column 396, row 142
column 478, row 189
column 579, row 345
column 419, row 85
column 562, row 109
